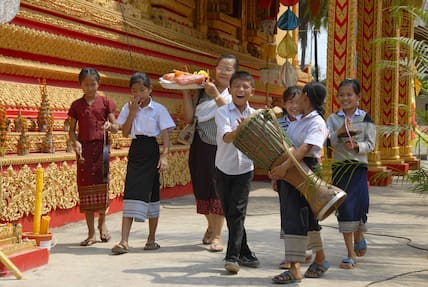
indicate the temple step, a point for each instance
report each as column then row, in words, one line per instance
column 26, row 260
column 380, row 177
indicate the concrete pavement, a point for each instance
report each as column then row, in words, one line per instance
column 397, row 254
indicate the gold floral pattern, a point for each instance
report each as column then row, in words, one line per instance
column 18, row 183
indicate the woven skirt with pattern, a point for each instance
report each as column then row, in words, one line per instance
column 202, row 172
column 93, row 191
column 141, row 198
column 352, row 177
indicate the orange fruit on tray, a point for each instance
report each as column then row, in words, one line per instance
column 180, row 73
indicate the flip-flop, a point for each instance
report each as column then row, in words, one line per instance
column 317, row 270
column 151, row 246
column 119, row 248
column 285, row 277
column 347, row 263
column 88, row 242
column 360, row 248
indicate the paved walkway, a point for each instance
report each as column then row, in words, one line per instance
column 397, row 255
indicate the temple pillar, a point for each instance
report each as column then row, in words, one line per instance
column 369, row 53
column 389, row 94
column 201, row 22
column 349, row 58
column 243, row 30
column 342, row 29
column 406, row 116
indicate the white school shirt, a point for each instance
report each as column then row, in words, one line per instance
column 148, row 121
column 228, row 158
column 310, row 129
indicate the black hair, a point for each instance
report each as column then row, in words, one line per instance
column 140, row 77
column 316, row 93
column 289, row 94
column 353, row 83
column 242, row 75
column 85, row 72
column 229, row 56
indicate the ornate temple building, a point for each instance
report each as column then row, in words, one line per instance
column 44, row 47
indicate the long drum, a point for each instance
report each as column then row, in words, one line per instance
column 262, row 140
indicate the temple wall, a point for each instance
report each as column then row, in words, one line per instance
column 51, row 40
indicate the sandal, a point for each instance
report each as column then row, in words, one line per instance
column 207, row 237
column 316, row 270
column 119, row 248
column 151, row 246
column 88, row 242
column 347, row 263
column 104, row 236
column 286, row 277
column 216, row 246
column 360, row 248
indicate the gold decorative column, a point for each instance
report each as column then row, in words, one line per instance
column 342, row 36
column 242, row 34
column 201, row 16
column 388, row 113
column 406, row 96
column 369, row 53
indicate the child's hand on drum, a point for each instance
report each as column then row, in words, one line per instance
column 230, row 136
column 280, row 171
column 274, row 185
column 239, row 122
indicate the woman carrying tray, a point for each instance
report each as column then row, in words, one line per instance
column 201, row 107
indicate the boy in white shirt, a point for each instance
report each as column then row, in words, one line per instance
column 234, row 171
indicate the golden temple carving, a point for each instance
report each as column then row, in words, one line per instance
column 11, row 239
column 60, row 189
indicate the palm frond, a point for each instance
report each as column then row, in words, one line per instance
column 408, row 10
column 422, row 137
column 419, row 178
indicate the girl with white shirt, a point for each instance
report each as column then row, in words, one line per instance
column 300, row 226
column 143, row 120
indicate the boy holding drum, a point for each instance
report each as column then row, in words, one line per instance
column 234, row 171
